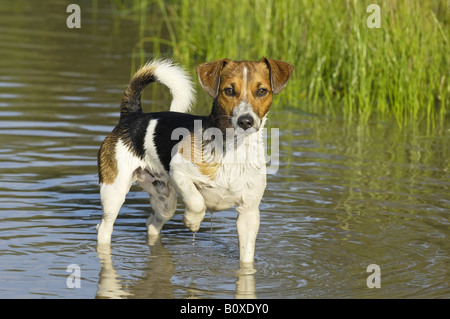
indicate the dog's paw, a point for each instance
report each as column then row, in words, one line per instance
column 193, row 221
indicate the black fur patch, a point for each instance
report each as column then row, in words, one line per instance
column 133, row 129
column 167, row 123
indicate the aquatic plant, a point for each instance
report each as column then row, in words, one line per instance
column 342, row 66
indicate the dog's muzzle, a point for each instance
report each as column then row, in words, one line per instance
column 245, row 121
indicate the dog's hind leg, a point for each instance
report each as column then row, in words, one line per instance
column 112, row 197
column 163, row 199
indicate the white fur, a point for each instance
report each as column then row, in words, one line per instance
column 151, row 155
column 240, row 181
column 113, row 195
column 145, row 173
column 244, row 108
column 178, row 82
column 244, row 86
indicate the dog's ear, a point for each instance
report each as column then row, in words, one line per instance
column 209, row 76
column 280, row 72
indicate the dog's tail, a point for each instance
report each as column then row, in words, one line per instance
column 165, row 72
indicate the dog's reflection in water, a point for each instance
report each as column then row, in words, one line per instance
column 156, row 282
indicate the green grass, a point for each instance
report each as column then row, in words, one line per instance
column 342, row 67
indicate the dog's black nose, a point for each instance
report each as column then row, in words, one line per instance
column 245, row 121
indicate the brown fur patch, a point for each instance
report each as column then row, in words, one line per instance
column 107, row 162
column 194, row 151
column 257, row 77
column 280, row 72
column 131, row 101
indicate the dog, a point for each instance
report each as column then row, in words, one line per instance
column 213, row 162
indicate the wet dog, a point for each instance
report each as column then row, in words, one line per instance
column 213, row 162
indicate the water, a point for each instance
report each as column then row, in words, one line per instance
column 344, row 196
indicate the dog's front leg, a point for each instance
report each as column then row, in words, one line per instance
column 195, row 204
column 247, row 228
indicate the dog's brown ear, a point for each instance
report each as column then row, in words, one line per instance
column 209, row 76
column 280, row 72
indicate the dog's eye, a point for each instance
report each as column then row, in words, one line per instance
column 261, row 92
column 229, row 92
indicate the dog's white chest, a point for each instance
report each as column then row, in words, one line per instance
column 238, row 178
column 229, row 190
column 235, row 184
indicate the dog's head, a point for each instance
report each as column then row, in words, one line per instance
column 243, row 90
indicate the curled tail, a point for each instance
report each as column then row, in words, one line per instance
column 165, row 72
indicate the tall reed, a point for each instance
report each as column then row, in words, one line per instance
column 342, row 66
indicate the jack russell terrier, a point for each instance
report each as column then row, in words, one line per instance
column 218, row 163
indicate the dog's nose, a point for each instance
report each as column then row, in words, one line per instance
column 245, row 121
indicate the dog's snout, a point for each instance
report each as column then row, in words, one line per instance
column 245, row 121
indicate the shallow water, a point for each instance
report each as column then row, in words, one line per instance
column 342, row 197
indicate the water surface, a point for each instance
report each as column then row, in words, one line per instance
column 344, row 196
